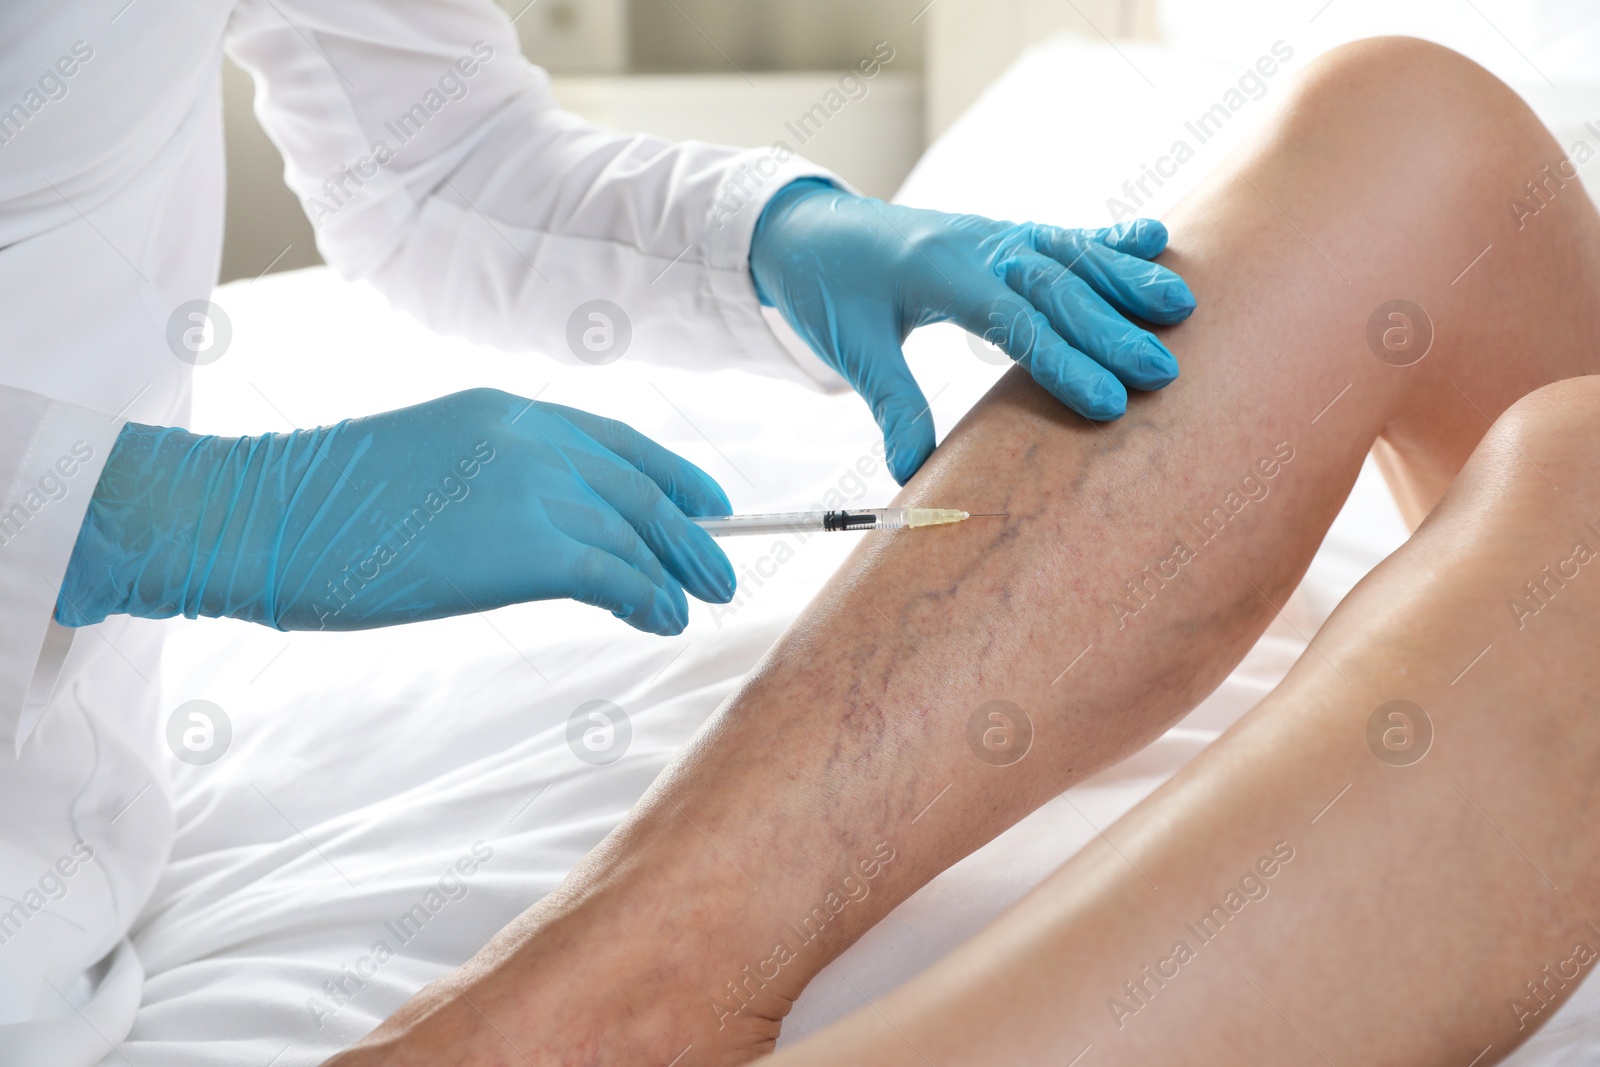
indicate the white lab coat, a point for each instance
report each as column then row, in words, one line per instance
column 437, row 167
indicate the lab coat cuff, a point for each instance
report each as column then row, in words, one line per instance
column 751, row 180
column 51, row 456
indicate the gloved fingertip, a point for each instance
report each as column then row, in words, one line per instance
column 702, row 565
column 1158, row 367
column 905, row 455
column 723, row 583
column 1178, row 296
column 1107, row 400
column 1162, row 298
column 719, row 499
column 1149, row 238
column 669, row 614
column 651, row 624
column 701, row 494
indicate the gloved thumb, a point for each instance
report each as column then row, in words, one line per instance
column 873, row 363
column 1145, row 238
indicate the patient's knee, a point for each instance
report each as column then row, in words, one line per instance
column 1533, row 483
column 1408, row 69
column 1405, row 97
column 1555, row 429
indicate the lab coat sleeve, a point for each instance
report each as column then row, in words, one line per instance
column 51, row 455
column 435, row 164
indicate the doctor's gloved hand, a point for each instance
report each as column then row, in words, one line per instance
column 470, row 502
column 855, row 276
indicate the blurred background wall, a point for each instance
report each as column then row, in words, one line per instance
column 728, row 71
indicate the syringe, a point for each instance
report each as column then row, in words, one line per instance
column 831, row 521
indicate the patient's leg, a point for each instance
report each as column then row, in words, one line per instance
column 1139, row 562
column 1391, row 903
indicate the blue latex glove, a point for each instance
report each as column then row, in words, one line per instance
column 470, row 502
column 854, row 276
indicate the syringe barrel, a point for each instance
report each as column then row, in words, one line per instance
column 780, row 523
column 803, row 522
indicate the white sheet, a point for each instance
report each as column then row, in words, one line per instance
column 363, row 765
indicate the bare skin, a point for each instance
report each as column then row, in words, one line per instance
column 1430, row 905
column 1222, row 485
